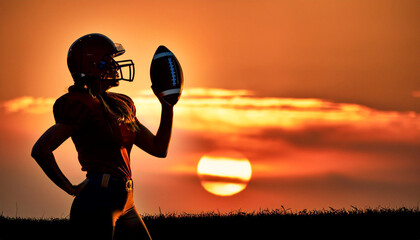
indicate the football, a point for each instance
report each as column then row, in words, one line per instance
column 166, row 75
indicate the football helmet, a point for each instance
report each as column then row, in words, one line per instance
column 92, row 56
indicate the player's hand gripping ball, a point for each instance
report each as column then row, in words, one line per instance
column 166, row 75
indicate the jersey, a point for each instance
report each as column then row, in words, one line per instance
column 103, row 143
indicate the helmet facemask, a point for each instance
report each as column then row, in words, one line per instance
column 117, row 70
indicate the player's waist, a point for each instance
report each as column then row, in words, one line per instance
column 108, row 181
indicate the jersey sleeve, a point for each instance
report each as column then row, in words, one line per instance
column 71, row 112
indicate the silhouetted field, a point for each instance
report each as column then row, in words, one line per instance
column 379, row 223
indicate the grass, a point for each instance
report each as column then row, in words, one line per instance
column 377, row 223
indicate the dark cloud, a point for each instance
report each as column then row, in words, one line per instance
column 210, row 178
column 194, row 141
column 253, row 147
column 345, row 138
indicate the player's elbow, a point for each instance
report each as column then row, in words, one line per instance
column 160, row 149
column 161, row 154
column 38, row 151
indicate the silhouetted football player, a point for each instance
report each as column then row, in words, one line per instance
column 104, row 128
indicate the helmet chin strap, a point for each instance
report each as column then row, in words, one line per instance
column 115, row 83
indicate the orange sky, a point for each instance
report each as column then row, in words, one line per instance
column 320, row 96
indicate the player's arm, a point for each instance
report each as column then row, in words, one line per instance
column 157, row 145
column 42, row 152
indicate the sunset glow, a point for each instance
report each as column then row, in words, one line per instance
column 224, row 175
column 302, row 104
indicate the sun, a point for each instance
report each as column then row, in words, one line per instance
column 224, row 173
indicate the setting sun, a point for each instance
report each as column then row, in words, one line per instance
column 224, row 173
